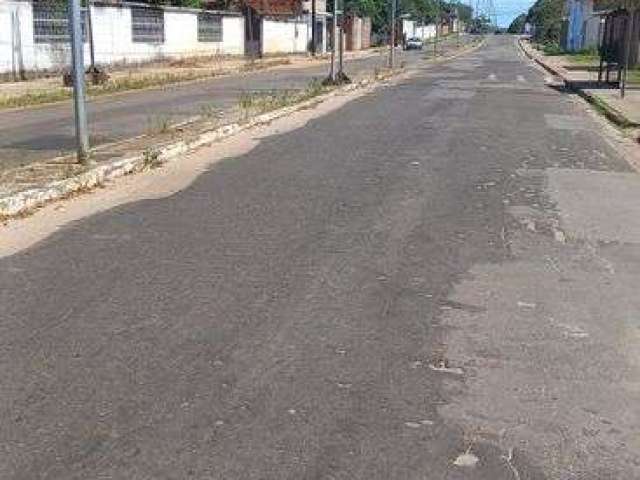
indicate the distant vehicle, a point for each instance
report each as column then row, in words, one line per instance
column 414, row 43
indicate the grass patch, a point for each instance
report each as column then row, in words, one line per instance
column 584, row 57
column 158, row 124
column 634, row 76
column 255, row 103
column 124, row 84
column 35, row 98
column 551, row 49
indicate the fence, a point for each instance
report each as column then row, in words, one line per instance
column 34, row 35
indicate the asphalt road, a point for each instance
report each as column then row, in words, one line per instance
column 289, row 314
column 45, row 132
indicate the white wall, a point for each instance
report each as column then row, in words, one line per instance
column 280, row 36
column 112, row 38
column 409, row 28
column 17, row 48
column 426, row 31
column 7, row 12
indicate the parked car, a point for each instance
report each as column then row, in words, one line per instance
column 414, row 43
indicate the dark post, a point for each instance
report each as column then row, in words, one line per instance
column 392, row 43
column 313, row 27
column 92, row 50
column 341, row 50
column 627, row 51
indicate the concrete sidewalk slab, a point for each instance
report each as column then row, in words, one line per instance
column 623, row 111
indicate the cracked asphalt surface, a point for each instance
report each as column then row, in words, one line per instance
column 360, row 298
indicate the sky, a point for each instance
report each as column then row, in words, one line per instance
column 507, row 10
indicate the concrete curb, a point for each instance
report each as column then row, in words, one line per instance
column 613, row 115
column 19, row 203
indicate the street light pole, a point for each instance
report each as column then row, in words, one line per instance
column 392, row 43
column 75, row 29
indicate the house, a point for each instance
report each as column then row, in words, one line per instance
column 34, row 34
column 286, row 26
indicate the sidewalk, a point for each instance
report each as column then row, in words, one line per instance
column 582, row 78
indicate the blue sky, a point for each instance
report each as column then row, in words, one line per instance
column 507, row 10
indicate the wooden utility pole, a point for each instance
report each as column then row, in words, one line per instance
column 341, row 56
column 392, row 43
column 313, row 27
column 627, row 51
column 92, row 49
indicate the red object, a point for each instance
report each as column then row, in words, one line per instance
column 276, row 7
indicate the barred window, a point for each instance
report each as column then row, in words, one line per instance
column 51, row 23
column 209, row 27
column 147, row 25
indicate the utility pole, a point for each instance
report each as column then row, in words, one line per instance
column 341, row 56
column 457, row 24
column 435, row 39
column 334, row 43
column 392, row 44
column 627, row 51
column 75, row 28
column 313, row 27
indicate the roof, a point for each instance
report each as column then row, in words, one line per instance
column 276, row 7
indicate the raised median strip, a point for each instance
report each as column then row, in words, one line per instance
column 24, row 201
column 17, row 202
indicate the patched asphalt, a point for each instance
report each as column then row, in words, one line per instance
column 287, row 315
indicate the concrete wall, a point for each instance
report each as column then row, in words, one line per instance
column 426, row 31
column 112, row 38
column 321, row 6
column 409, row 28
column 285, row 36
column 366, row 32
column 353, row 33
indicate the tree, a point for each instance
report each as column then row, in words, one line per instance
column 546, row 17
column 481, row 24
column 517, row 26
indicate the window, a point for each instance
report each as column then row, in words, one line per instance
column 147, row 25
column 209, row 27
column 51, row 23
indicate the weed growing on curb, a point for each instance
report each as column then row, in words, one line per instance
column 151, row 158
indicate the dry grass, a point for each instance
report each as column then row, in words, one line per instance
column 264, row 101
column 132, row 82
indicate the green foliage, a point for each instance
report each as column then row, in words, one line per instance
column 427, row 11
column 481, row 25
column 517, row 26
column 546, row 17
column 552, row 48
